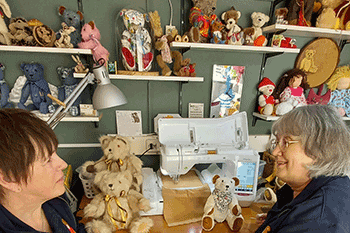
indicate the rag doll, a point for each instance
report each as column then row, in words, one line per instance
column 290, row 91
column 266, row 99
column 339, row 84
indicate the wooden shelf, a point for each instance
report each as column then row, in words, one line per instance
column 149, row 78
column 275, row 118
column 35, row 49
column 293, row 30
column 245, row 48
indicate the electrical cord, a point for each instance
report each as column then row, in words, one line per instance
column 150, row 148
column 171, row 13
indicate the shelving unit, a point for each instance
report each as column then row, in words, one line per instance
column 293, row 30
column 245, row 48
column 35, row 49
column 149, row 78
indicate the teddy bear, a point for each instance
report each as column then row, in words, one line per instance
column 307, row 63
column 69, row 83
column 37, row 87
column 281, row 14
column 188, row 71
column 300, row 12
column 65, row 41
column 116, row 157
column 164, row 57
column 136, row 43
column 71, row 19
column 223, row 205
column 327, row 17
column 216, row 29
column 233, row 34
column 266, row 100
column 200, row 18
column 117, row 206
column 91, row 36
column 339, row 84
column 4, row 39
column 258, row 19
column 20, row 33
column 44, row 36
column 4, row 90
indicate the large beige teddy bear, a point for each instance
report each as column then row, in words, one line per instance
column 116, row 157
column 328, row 17
column 117, row 206
column 223, row 205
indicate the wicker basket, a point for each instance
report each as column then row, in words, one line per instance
column 88, row 186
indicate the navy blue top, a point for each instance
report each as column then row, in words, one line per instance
column 322, row 207
column 55, row 210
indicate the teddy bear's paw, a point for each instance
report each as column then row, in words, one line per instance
column 237, row 224
column 207, row 223
column 145, row 205
column 236, row 210
column 141, row 225
column 97, row 226
column 90, row 210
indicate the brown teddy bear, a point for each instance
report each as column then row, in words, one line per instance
column 234, row 34
column 300, row 12
column 117, row 206
column 20, row 33
column 281, row 14
column 201, row 16
column 116, row 157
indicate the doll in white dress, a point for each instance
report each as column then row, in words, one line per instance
column 290, row 91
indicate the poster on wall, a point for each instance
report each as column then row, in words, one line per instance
column 128, row 123
column 226, row 90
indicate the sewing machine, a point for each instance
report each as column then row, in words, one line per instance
column 186, row 142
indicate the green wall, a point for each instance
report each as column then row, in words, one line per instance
column 163, row 96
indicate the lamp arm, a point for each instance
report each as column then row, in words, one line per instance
column 57, row 115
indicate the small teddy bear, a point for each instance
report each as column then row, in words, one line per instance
column 281, row 14
column 4, row 90
column 71, row 19
column 20, row 32
column 201, row 17
column 37, row 87
column 266, row 100
column 91, row 40
column 307, row 63
column 234, row 34
column 69, row 83
column 216, row 29
column 223, row 205
column 258, row 19
column 117, row 207
column 116, row 157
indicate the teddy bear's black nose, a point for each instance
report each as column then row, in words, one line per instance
column 110, row 185
column 214, row 8
column 227, row 186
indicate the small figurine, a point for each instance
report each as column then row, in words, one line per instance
column 290, row 91
column 266, row 100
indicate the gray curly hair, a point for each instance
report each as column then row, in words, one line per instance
column 324, row 137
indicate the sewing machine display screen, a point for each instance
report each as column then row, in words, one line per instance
column 246, row 175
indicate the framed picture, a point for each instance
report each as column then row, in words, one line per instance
column 129, row 123
column 226, row 90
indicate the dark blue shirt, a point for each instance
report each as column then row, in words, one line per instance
column 322, row 207
column 55, row 210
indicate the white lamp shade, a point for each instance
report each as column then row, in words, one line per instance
column 106, row 94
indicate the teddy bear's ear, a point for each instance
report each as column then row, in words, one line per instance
column 236, row 181
column 267, row 18
column 223, row 16
column 105, row 140
column 238, row 14
column 215, row 178
column 23, row 65
column 59, row 70
column 92, row 24
column 80, row 14
column 253, row 15
column 61, row 9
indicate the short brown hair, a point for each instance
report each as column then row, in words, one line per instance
column 23, row 137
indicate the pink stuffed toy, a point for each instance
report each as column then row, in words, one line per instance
column 91, row 40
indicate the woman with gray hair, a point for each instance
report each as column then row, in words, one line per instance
column 312, row 150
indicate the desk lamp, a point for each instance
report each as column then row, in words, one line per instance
column 106, row 94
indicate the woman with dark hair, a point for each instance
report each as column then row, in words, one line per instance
column 312, row 150
column 32, row 191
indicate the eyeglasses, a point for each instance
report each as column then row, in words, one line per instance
column 283, row 143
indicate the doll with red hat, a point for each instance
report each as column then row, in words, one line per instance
column 266, row 99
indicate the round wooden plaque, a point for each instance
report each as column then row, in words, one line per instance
column 318, row 59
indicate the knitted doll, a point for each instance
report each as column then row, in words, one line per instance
column 290, row 91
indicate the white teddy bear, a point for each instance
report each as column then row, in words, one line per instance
column 223, row 205
column 259, row 20
column 117, row 206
